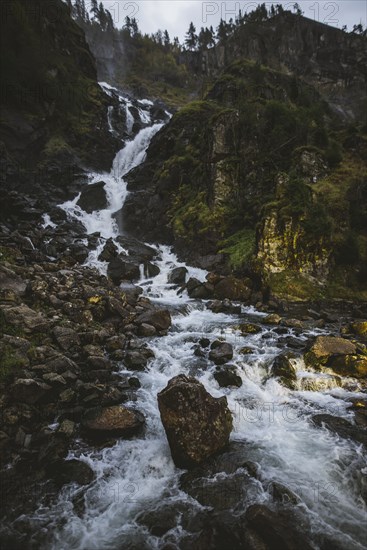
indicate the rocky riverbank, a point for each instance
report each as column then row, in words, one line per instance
column 66, row 330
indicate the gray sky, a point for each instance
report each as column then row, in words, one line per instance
column 175, row 15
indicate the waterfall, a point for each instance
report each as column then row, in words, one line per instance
column 137, row 475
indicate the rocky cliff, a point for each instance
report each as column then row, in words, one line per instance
column 53, row 112
column 263, row 175
column 334, row 62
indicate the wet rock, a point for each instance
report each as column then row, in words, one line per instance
column 138, row 251
column 168, row 516
column 109, row 251
column 341, row 427
column 232, row 289
column 349, row 365
column 220, row 352
column 198, row 290
column 178, row 276
column 115, row 421
column 272, row 319
column 151, row 270
column 246, row 350
column 66, row 428
column 71, row 471
column 319, row 383
column 337, row 354
column 293, row 323
column 283, row 369
column 204, row 342
column 137, row 359
column 224, row 306
column 275, row 530
column 359, row 408
column 93, row 197
column 283, row 494
column 121, row 270
column 227, row 376
column 146, row 330
column 192, row 284
column 160, row 319
column 197, row 425
column 326, row 346
column 292, row 342
column 223, row 493
column 359, row 328
column 249, row 328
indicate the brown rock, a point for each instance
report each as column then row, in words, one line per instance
column 115, row 421
column 197, row 425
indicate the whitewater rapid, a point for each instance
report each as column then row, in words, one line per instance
column 136, row 475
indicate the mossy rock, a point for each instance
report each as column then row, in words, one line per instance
column 249, row 328
column 359, row 328
column 325, row 347
column 349, row 365
column 283, row 369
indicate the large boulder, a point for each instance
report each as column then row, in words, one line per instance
column 26, row 319
column 233, row 289
column 160, row 319
column 27, row 390
column 70, row 471
column 326, row 346
column 283, row 369
column 197, row 424
column 115, row 421
column 338, row 354
column 121, row 270
column 93, row 197
column 359, row 328
column 177, row 276
column 220, row 352
column 227, row 376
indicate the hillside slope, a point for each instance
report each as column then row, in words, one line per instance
column 267, row 178
column 53, row 112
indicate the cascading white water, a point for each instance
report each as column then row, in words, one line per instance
column 136, row 475
column 103, row 221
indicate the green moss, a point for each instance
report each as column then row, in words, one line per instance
column 8, row 362
column 7, row 255
column 239, row 247
column 55, row 146
column 294, row 286
column 6, row 328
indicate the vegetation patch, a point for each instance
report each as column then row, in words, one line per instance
column 240, row 247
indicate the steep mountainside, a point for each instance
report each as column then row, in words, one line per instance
column 53, row 112
column 335, row 62
column 264, row 175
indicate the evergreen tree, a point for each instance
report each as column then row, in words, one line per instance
column 134, row 27
column 191, row 37
column 166, row 40
column 94, row 9
column 222, row 31
column 176, row 44
column 159, row 37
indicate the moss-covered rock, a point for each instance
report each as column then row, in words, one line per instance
column 337, row 354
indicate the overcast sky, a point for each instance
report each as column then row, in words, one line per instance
column 175, row 15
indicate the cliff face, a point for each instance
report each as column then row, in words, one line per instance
column 263, row 173
column 334, row 62
column 53, row 112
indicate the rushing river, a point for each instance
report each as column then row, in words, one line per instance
column 138, row 474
